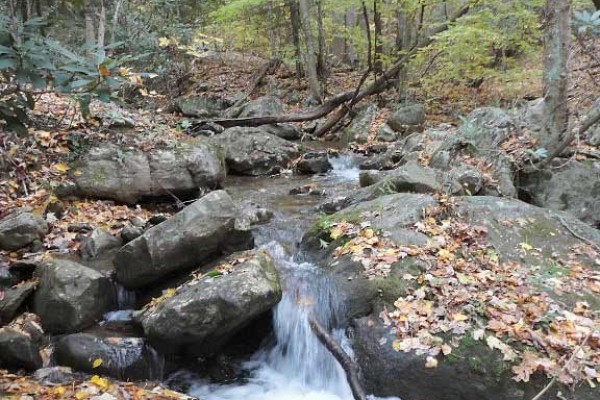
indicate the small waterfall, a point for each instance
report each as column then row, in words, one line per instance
column 345, row 166
column 125, row 298
column 297, row 366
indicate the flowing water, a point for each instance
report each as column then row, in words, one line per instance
column 296, row 366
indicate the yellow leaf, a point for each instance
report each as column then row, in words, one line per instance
column 81, row 395
column 396, row 345
column 163, row 42
column 459, row 317
column 61, row 167
column 431, row 362
column 101, row 383
column 59, row 391
column 97, row 362
column 526, row 246
column 77, row 173
column 336, row 232
column 143, row 92
column 368, row 233
column 124, row 71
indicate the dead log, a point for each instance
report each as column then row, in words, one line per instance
column 349, row 366
column 346, row 99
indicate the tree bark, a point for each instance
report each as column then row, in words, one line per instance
column 322, row 54
column 311, row 62
column 90, row 31
column 295, row 24
column 556, row 53
column 378, row 62
column 597, row 4
column 348, row 365
column 115, row 22
column 101, row 27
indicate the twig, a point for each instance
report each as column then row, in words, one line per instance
column 577, row 235
column 564, row 368
column 349, row 366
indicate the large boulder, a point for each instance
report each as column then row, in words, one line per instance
column 573, row 187
column 204, row 313
column 207, row 228
column 201, row 106
column 20, row 228
column 261, row 107
column 128, row 175
column 20, row 343
column 360, row 127
column 252, row 151
column 407, row 119
column 98, row 243
column 537, row 259
column 480, row 139
column 313, row 162
column 70, row 296
column 122, row 358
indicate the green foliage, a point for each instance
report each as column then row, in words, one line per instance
column 486, row 43
column 587, row 23
column 31, row 64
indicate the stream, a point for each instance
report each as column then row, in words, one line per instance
column 294, row 365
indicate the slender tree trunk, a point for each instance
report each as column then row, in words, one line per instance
column 24, row 10
column 378, row 62
column 295, row 22
column 115, row 22
column 556, row 54
column 322, row 54
column 352, row 20
column 101, row 26
column 311, row 61
column 597, row 4
column 90, row 31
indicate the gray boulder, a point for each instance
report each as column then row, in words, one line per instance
column 70, row 296
column 130, row 175
column 313, row 162
column 131, row 232
column 252, row 151
column 574, row 188
column 201, row 106
column 480, row 137
column 284, row 131
column 122, row 358
column 261, row 107
column 98, row 243
column 20, row 343
column 360, row 127
column 13, row 299
column 204, row 313
column 20, row 228
column 407, row 119
column 205, row 229
column 386, row 134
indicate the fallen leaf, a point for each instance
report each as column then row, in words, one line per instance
column 431, row 362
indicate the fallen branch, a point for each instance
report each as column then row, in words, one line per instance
column 349, row 366
column 350, row 97
column 564, row 368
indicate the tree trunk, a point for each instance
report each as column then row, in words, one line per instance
column 24, row 11
column 322, row 54
column 597, row 4
column 115, row 22
column 90, row 31
column 295, row 23
column 101, row 27
column 311, row 61
column 556, row 53
column 378, row 62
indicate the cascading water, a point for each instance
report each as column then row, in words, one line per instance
column 296, row 366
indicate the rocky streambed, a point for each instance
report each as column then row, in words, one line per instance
column 420, row 260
